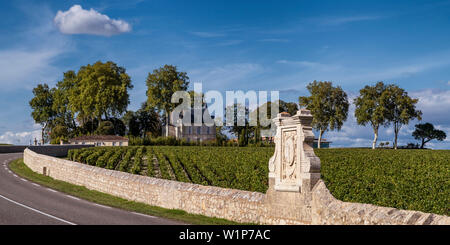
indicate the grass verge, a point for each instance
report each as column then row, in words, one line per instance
column 18, row 167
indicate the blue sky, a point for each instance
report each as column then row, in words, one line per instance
column 230, row 45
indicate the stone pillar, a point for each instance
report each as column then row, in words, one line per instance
column 294, row 167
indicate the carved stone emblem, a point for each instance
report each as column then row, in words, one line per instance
column 289, row 152
column 294, row 167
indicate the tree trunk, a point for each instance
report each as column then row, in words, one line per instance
column 319, row 142
column 42, row 135
column 396, row 130
column 375, row 138
column 167, row 124
column 423, row 143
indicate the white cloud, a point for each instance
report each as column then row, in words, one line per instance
column 80, row 21
column 433, row 104
column 21, row 67
column 313, row 66
column 335, row 21
column 229, row 43
column 275, row 40
column 207, row 34
column 20, row 138
column 31, row 56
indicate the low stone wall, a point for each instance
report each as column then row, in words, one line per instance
column 49, row 150
column 241, row 206
column 274, row 207
column 328, row 210
column 12, row 148
column 56, row 150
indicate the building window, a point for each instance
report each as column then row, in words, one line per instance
column 114, row 143
column 120, row 143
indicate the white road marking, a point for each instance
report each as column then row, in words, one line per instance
column 37, row 211
column 76, row 198
column 35, row 184
column 24, row 180
column 148, row 216
column 15, row 176
column 101, row 205
column 51, row 190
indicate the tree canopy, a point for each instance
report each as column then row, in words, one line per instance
column 100, row 90
column 42, row 108
column 426, row 133
column 328, row 104
column 400, row 109
column 161, row 84
column 95, row 93
column 371, row 108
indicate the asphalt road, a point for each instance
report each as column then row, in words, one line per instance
column 27, row 203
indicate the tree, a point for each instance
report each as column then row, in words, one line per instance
column 64, row 116
column 100, row 90
column 105, row 128
column 371, row 108
column 131, row 123
column 142, row 122
column 242, row 130
column 289, row 107
column 401, row 109
column 149, row 120
column 328, row 105
column 426, row 133
column 283, row 106
column 42, row 106
column 161, row 84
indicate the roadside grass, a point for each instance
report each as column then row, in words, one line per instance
column 18, row 167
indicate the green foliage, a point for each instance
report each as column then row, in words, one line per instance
column 96, row 93
column 41, row 105
column 162, row 83
column 115, row 158
column 372, row 108
column 404, row 179
column 100, row 89
column 426, row 132
column 126, row 161
column 105, row 128
column 136, row 168
column 401, row 109
column 143, row 122
column 328, row 104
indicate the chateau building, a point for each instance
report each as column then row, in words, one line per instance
column 191, row 133
column 100, row 140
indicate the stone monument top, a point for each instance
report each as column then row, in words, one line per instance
column 294, row 166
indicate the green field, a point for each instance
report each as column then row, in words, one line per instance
column 405, row 179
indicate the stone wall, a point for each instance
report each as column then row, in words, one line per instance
column 275, row 207
column 56, row 150
column 328, row 210
column 50, row 150
column 296, row 194
column 12, row 148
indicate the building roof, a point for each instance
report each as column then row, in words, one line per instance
column 99, row 138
